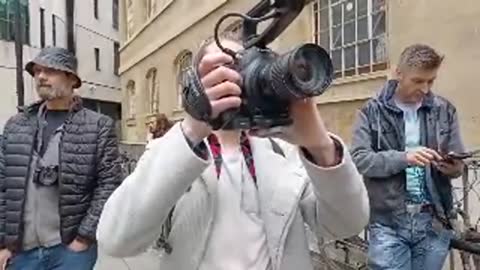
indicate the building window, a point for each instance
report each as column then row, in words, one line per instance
column 354, row 33
column 7, row 20
column 97, row 58
column 152, row 89
column 130, row 22
column 131, row 97
column 95, row 8
column 151, row 7
column 54, row 30
column 116, row 58
column 25, row 19
column 115, row 14
column 183, row 61
column 42, row 27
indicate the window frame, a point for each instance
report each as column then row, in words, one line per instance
column 377, row 59
column 116, row 58
column 130, row 24
column 180, row 65
column 96, row 51
column 153, row 92
column 42, row 27
column 115, row 14
column 54, row 30
column 131, row 97
column 25, row 13
column 150, row 8
column 95, row 9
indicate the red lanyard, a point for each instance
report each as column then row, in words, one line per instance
column 246, row 151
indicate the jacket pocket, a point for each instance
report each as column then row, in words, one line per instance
column 386, row 194
column 384, row 137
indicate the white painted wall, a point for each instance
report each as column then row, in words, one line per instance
column 90, row 33
column 52, row 7
column 97, row 33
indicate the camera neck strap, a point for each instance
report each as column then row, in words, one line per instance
column 246, row 148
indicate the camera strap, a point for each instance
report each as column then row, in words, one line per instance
column 246, row 148
column 194, row 99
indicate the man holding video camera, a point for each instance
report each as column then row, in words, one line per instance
column 226, row 199
column 401, row 143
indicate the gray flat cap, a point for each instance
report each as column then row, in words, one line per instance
column 56, row 58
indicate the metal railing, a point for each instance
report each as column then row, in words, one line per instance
column 127, row 163
column 467, row 241
column 352, row 253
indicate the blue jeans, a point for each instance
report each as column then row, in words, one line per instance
column 58, row 257
column 413, row 242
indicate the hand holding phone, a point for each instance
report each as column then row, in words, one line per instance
column 452, row 164
column 422, row 156
column 458, row 156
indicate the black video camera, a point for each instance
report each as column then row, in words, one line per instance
column 270, row 81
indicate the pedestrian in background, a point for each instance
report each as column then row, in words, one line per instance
column 158, row 126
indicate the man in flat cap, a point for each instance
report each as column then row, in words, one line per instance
column 58, row 166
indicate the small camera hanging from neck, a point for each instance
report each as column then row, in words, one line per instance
column 271, row 81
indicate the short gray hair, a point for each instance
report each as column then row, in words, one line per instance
column 420, row 56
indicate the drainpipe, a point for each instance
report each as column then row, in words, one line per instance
column 70, row 24
column 19, row 55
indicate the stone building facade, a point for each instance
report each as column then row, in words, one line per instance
column 364, row 38
column 44, row 24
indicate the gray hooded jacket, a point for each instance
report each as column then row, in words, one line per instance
column 378, row 150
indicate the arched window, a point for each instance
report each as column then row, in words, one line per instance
column 152, row 87
column 183, row 61
column 131, row 96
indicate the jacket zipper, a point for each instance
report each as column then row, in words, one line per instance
column 60, row 178
column 60, row 147
column 25, row 191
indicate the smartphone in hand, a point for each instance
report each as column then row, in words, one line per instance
column 452, row 156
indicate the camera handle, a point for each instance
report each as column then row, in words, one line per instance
column 283, row 12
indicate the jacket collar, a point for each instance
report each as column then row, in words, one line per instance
column 386, row 97
column 76, row 105
column 279, row 191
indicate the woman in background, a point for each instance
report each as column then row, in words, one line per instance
column 158, row 127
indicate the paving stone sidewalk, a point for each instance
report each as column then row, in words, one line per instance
column 146, row 261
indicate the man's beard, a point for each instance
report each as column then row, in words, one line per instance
column 49, row 92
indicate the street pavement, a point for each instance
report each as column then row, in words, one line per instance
column 146, row 261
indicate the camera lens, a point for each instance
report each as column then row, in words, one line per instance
column 303, row 72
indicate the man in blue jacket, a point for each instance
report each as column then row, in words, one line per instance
column 400, row 143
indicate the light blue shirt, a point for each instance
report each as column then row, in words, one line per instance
column 416, row 188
